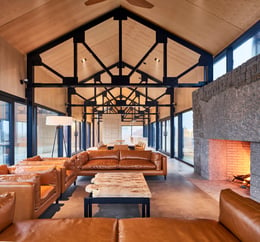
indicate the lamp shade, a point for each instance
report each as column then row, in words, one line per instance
column 59, row 120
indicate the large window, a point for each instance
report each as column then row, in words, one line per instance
column 244, row 52
column 20, row 137
column 154, row 137
column 219, row 68
column 239, row 52
column 131, row 133
column 5, row 132
column 188, row 137
column 176, row 133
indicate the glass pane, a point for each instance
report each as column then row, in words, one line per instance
column 163, row 137
column 20, row 137
column 176, row 136
column 45, row 134
column 219, row 68
column 154, row 135
column 131, row 133
column 4, row 133
column 188, row 137
column 168, row 136
column 243, row 52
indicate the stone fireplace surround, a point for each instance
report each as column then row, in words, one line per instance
column 228, row 109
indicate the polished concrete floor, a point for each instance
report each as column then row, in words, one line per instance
column 178, row 196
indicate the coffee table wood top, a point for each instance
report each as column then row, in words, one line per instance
column 119, row 184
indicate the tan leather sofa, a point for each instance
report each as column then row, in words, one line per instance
column 93, row 161
column 239, row 220
column 66, row 167
column 36, row 189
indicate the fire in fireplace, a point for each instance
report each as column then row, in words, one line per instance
column 244, row 179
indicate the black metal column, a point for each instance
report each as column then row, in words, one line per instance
column 157, row 128
column 229, row 53
column 93, row 129
column 69, row 113
column 149, row 129
column 84, row 129
column 31, row 111
column 172, row 110
column 180, row 137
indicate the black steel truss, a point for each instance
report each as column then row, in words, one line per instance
column 119, row 81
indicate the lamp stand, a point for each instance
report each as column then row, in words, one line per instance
column 54, row 142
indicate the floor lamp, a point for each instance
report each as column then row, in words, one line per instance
column 58, row 121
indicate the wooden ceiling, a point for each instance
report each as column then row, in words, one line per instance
column 209, row 25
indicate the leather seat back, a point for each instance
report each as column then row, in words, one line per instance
column 106, row 154
column 135, row 155
column 240, row 215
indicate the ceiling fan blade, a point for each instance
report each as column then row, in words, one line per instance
column 91, row 2
column 141, row 3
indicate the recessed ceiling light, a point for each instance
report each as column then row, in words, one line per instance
column 83, row 60
column 156, row 59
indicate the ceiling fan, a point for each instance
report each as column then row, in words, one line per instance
column 138, row 3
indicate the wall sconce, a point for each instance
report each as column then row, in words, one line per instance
column 24, row 81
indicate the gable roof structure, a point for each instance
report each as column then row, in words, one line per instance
column 112, row 55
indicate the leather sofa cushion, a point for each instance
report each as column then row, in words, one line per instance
column 135, row 155
column 103, row 154
column 3, row 169
column 46, row 192
column 172, row 229
column 240, row 215
column 136, row 164
column 107, row 164
column 63, row 230
column 7, row 205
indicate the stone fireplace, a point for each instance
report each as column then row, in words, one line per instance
column 227, row 126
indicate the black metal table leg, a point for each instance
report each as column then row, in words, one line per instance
column 148, row 208
column 88, row 202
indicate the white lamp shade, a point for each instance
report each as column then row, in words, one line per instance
column 59, row 120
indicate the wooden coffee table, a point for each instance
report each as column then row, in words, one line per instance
column 120, row 188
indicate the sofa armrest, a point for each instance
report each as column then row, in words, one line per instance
column 25, row 198
column 164, row 164
column 81, row 159
column 7, row 206
column 157, row 160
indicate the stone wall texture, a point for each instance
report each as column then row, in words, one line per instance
column 229, row 109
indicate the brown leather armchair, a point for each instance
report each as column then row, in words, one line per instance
column 35, row 190
column 66, row 167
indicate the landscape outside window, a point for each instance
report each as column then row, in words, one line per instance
column 131, row 131
column 188, row 137
column 4, row 132
column 20, row 137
